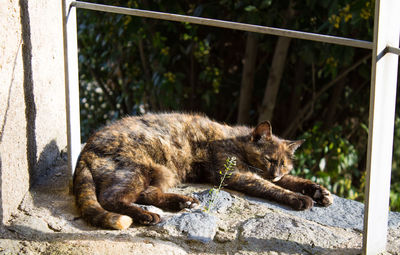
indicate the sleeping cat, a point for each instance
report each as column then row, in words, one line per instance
column 137, row 159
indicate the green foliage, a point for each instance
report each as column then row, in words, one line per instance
column 130, row 65
column 395, row 178
column 224, row 174
column 330, row 160
column 395, row 194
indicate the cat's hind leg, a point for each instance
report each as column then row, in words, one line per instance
column 168, row 201
column 163, row 178
column 119, row 190
column 121, row 201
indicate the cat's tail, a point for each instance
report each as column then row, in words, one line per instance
column 86, row 200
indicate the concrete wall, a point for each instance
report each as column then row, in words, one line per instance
column 32, row 95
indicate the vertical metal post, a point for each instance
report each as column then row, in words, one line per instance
column 381, row 125
column 71, row 83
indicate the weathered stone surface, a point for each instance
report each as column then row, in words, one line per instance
column 223, row 200
column 30, row 226
column 197, row 224
column 287, row 234
column 47, row 222
column 343, row 213
column 32, row 96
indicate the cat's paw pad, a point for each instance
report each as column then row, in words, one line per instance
column 301, row 203
column 322, row 196
column 190, row 203
column 149, row 218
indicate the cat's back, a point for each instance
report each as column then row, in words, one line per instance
column 165, row 126
column 152, row 132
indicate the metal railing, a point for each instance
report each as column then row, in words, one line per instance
column 382, row 99
column 226, row 24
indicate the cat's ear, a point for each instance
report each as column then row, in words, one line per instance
column 293, row 145
column 262, row 130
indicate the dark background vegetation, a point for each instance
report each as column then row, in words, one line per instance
column 320, row 92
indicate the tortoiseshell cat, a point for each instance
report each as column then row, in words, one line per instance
column 137, row 159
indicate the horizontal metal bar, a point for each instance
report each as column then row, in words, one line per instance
column 388, row 49
column 393, row 50
column 226, row 24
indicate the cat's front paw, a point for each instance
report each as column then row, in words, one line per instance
column 322, row 196
column 301, row 202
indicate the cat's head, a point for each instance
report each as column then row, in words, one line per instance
column 272, row 156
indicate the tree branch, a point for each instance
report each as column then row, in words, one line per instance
column 276, row 71
column 298, row 120
column 147, row 97
column 247, row 85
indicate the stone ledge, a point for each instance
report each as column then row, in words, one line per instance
column 48, row 221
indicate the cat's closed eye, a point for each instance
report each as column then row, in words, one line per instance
column 270, row 160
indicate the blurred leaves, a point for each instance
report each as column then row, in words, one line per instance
column 330, row 160
column 130, row 65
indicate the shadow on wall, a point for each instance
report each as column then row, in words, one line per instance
column 45, row 163
column 30, row 107
column 51, row 151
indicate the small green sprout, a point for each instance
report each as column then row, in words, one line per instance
column 226, row 173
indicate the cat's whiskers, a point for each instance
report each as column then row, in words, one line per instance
column 253, row 167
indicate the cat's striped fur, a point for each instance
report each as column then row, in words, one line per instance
column 137, row 159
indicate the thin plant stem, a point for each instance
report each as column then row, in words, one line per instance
column 228, row 167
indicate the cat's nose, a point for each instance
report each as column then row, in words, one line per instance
column 277, row 177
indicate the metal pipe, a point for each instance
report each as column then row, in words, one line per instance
column 381, row 126
column 226, row 24
column 71, row 84
column 393, row 50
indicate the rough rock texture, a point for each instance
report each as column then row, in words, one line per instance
column 32, row 95
column 197, row 225
column 294, row 235
column 343, row 213
column 222, row 200
column 47, row 222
